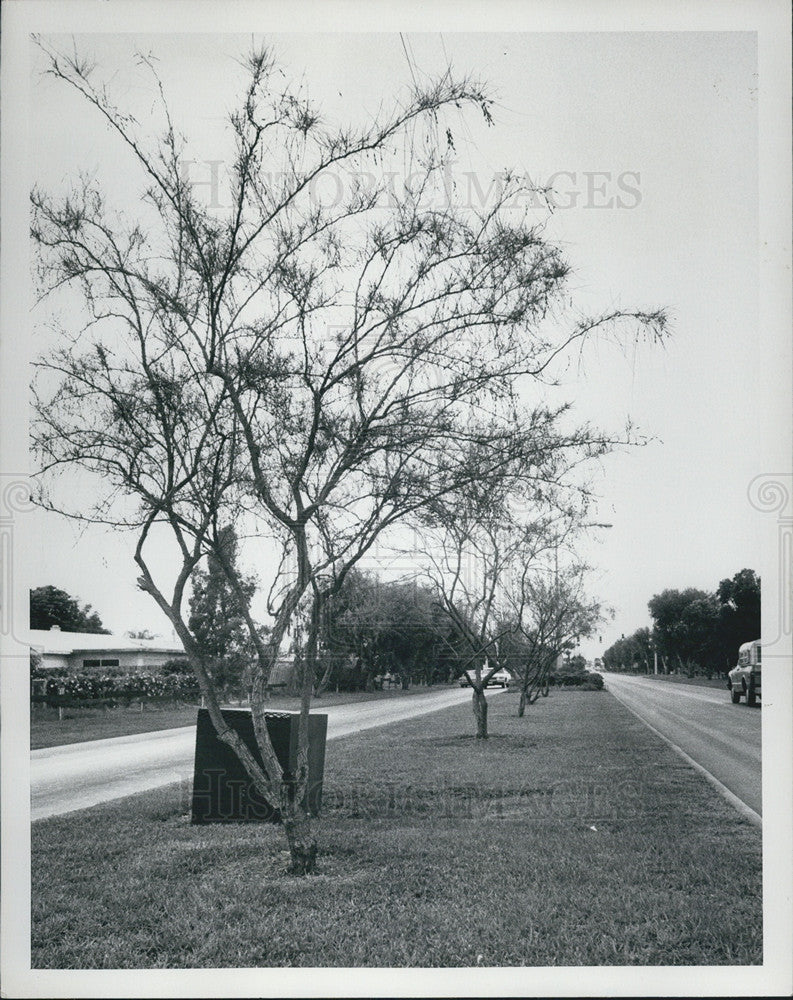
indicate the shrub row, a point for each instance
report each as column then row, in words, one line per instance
column 587, row 681
column 125, row 687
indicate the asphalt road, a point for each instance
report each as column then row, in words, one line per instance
column 722, row 738
column 79, row 775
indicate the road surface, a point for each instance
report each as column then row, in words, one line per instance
column 64, row 779
column 722, row 738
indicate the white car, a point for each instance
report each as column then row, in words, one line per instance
column 744, row 679
column 501, row 678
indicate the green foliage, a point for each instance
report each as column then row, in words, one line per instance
column 573, row 673
column 76, row 689
column 50, row 606
column 632, row 654
column 179, row 665
column 685, row 626
column 374, row 627
column 694, row 630
column 217, row 615
column 739, row 615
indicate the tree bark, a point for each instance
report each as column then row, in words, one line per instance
column 301, row 840
column 294, row 813
column 480, row 713
column 522, row 704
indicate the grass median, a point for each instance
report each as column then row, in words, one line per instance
column 572, row 836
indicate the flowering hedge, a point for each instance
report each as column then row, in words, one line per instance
column 76, row 688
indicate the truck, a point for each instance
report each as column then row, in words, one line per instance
column 744, row 678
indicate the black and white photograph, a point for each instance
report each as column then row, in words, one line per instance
column 396, row 499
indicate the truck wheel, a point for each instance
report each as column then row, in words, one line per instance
column 751, row 695
column 736, row 696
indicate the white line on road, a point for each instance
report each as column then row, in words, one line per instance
column 722, row 789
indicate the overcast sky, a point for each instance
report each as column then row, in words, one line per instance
column 651, row 143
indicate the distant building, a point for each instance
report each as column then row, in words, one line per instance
column 81, row 651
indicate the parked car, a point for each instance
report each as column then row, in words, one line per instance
column 744, row 679
column 501, row 678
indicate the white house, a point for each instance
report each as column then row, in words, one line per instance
column 81, row 651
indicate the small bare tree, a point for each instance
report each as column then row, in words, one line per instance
column 557, row 611
column 482, row 551
column 309, row 372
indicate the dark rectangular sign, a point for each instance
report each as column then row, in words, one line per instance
column 222, row 790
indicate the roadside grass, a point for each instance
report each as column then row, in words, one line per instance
column 571, row 837
column 81, row 724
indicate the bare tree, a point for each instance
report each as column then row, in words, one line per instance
column 313, row 373
column 557, row 611
column 481, row 553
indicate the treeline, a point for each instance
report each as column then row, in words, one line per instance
column 377, row 631
column 380, row 632
column 51, row 606
column 694, row 631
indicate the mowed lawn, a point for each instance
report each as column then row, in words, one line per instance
column 571, row 837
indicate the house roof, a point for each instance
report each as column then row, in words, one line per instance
column 56, row 641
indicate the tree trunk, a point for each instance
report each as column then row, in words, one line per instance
column 480, row 713
column 522, row 704
column 295, row 816
column 301, row 840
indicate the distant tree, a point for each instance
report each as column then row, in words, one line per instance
column 739, row 616
column 35, row 661
column 612, row 659
column 373, row 627
column 694, row 630
column 218, row 615
column 557, row 612
column 349, row 635
column 684, row 627
column 414, row 633
column 642, row 649
column 51, row 606
column 634, row 653
column 142, row 633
